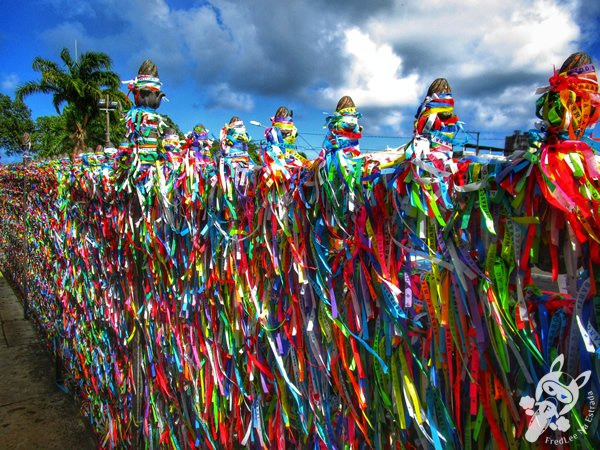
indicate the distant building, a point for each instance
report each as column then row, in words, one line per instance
column 518, row 141
column 479, row 148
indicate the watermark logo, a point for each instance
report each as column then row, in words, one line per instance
column 555, row 395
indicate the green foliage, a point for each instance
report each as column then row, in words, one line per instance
column 15, row 121
column 76, row 87
column 254, row 151
column 97, row 129
column 51, row 136
column 215, row 148
column 170, row 124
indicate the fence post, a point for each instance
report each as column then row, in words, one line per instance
column 139, row 297
column 137, row 403
column 60, row 382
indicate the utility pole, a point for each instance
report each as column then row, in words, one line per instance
column 105, row 104
column 477, row 143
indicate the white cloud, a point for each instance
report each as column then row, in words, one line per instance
column 394, row 120
column 457, row 38
column 534, row 36
column 374, row 76
column 514, row 107
column 387, row 122
column 224, row 97
column 9, row 82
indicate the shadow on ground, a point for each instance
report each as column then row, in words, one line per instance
column 34, row 413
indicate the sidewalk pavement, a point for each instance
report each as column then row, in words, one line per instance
column 34, row 413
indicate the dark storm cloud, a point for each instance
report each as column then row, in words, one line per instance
column 493, row 84
column 422, row 58
column 353, row 11
column 283, row 48
column 589, row 14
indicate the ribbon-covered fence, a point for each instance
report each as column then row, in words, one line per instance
column 348, row 302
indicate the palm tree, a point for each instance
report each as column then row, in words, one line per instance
column 77, row 84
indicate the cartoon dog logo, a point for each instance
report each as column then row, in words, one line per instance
column 555, row 395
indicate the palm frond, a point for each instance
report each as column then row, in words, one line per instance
column 29, row 88
column 76, row 87
column 44, row 65
column 65, row 55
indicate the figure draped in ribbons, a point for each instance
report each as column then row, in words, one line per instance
column 234, row 141
column 281, row 139
column 343, row 129
column 171, row 141
column 430, row 153
column 199, row 142
column 279, row 154
column 435, row 119
column 567, row 167
column 144, row 125
column 568, row 106
column 340, row 156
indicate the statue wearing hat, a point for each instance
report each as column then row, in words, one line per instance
column 144, row 125
column 435, row 120
column 199, row 142
column 343, row 129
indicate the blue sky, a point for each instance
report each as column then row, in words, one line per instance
column 222, row 58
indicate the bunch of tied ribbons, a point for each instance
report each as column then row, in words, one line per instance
column 371, row 306
column 26, row 259
column 171, row 142
column 569, row 104
column 234, row 141
column 200, row 143
column 343, row 132
column 64, row 281
column 144, row 125
column 279, row 150
column 338, row 169
column 13, row 233
column 564, row 165
column 435, row 120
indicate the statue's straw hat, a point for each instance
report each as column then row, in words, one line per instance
column 345, row 102
column 148, row 68
column 439, row 86
column 577, row 59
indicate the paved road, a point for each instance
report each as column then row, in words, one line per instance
column 34, row 413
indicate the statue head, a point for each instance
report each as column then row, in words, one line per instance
column 570, row 104
column 440, row 87
column 575, row 60
column 170, row 140
column 435, row 117
column 234, row 134
column 146, row 86
column 26, row 142
column 283, row 122
column 200, row 129
column 346, row 111
column 199, row 137
column 343, row 128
